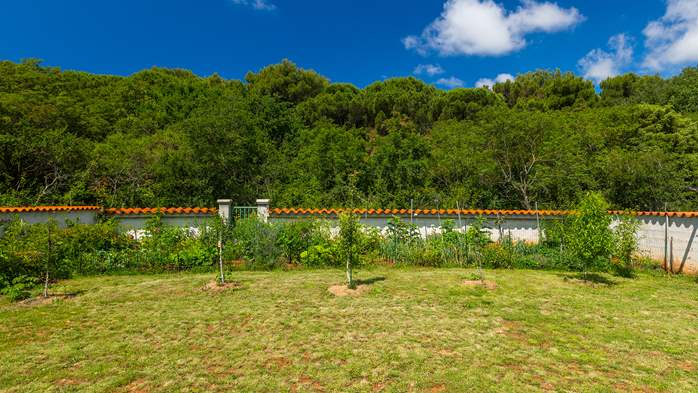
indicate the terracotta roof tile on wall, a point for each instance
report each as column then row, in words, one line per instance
column 455, row 212
column 47, row 209
column 123, row 211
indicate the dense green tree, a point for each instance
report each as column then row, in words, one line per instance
column 286, row 82
column 683, row 90
column 463, row 104
column 400, row 97
column 169, row 137
column 545, row 90
column 634, row 89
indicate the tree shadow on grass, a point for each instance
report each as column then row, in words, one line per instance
column 369, row 281
column 52, row 297
column 589, row 278
column 65, row 294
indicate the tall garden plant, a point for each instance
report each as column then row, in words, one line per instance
column 590, row 237
column 625, row 247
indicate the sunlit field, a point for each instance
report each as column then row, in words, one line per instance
column 413, row 330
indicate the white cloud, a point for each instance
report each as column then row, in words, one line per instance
column 672, row 40
column 483, row 82
column 599, row 65
column 451, row 82
column 429, row 69
column 263, row 5
column 483, row 27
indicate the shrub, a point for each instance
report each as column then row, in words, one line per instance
column 321, row 255
column 625, row 245
column 298, row 236
column 80, row 245
column 400, row 231
column 256, row 243
column 476, row 238
column 554, row 232
column 19, row 288
column 26, row 251
column 590, row 239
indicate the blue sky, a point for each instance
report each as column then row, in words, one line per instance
column 458, row 42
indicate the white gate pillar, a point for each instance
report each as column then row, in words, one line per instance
column 224, row 209
column 263, row 209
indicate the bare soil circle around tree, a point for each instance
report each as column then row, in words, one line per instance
column 216, row 286
column 487, row 284
column 342, row 290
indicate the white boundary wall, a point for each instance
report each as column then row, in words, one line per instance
column 675, row 236
column 651, row 234
column 61, row 217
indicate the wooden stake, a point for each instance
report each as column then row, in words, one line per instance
column 671, row 255
column 48, row 261
column 538, row 223
column 666, row 238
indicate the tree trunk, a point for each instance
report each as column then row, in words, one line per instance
column 48, row 261
column 46, row 285
column 350, row 278
column 220, row 259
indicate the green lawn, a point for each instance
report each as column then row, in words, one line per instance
column 416, row 330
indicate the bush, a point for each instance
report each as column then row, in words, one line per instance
column 554, row 232
column 255, row 243
column 589, row 236
column 80, row 244
column 19, row 288
column 625, row 245
column 25, row 251
column 321, row 255
column 171, row 248
column 298, row 236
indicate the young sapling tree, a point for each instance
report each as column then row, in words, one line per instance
column 349, row 232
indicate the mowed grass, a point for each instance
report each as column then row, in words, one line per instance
column 415, row 330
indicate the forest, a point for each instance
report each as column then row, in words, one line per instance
column 167, row 137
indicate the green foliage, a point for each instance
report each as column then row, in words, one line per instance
column 545, row 90
column 400, row 231
column 100, row 248
column 625, row 245
column 19, row 288
column 297, row 236
column 589, row 236
column 321, row 255
column 286, row 82
column 256, row 243
column 166, row 137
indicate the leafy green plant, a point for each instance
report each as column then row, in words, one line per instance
column 401, row 231
column 625, row 245
column 321, row 255
column 295, row 237
column 590, row 238
column 19, row 288
column 256, row 243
